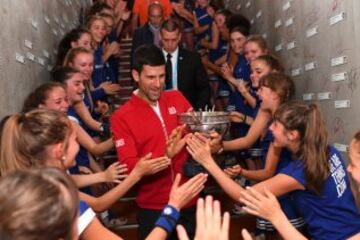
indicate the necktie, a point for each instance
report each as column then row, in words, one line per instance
column 168, row 68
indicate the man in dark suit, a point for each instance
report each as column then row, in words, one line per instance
column 184, row 69
column 150, row 32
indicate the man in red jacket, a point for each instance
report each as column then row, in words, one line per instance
column 144, row 125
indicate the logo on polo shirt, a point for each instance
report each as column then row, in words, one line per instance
column 172, row 110
column 120, row 142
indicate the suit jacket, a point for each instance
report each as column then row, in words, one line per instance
column 142, row 35
column 192, row 78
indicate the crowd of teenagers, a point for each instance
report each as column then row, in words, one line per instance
column 187, row 54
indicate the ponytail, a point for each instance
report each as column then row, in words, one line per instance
column 313, row 137
column 11, row 157
column 26, row 137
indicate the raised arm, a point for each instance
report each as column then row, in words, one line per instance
column 86, row 117
column 145, row 166
column 255, row 131
column 89, row 144
column 272, row 160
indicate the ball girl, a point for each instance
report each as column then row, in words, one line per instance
column 97, row 28
column 275, row 89
column 55, row 96
column 218, row 48
column 260, row 67
column 316, row 177
column 78, row 37
column 46, row 138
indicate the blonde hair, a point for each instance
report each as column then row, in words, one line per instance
column 72, row 53
column 38, row 204
column 259, row 40
column 25, row 138
column 92, row 19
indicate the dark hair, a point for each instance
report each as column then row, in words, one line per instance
column 279, row 83
column 244, row 31
column 105, row 15
column 147, row 55
column 313, row 147
column 226, row 13
column 217, row 4
column 240, row 22
column 98, row 7
column 61, row 75
column 39, row 95
column 65, row 44
column 170, row 26
column 272, row 62
column 38, row 204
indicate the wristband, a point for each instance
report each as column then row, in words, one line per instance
column 168, row 219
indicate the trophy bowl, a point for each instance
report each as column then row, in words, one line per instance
column 202, row 122
column 205, row 122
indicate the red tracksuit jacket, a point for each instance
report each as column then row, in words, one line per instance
column 137, row 130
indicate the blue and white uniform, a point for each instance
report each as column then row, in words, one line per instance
column 333, row 213
column 82, row 158
column 204, row 19
column 236, row 100
column 286, row 202
column 98, row 75
column 87, row 215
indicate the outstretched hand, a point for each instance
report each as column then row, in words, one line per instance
column 176, row 141
column 115, row 172
column 181, row 195
column 264, row 205
column 209, row 225
column 148, row 166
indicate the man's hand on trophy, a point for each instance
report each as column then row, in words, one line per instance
column 199, row 148
column 176, row 141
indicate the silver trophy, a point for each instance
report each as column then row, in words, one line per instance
column 203, row 122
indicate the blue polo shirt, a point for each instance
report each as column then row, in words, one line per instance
column 333, row 214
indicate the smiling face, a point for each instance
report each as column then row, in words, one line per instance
column 220, row 20
column 75, row 88
column 109, row 24
column 84, row 41
column 98, row 30
column 237, row 41
column 258, row 69
column 282, row 137
column 269, row 99
column 56, row 100
column 252, row 50
column 151, row 82
column 84, row 62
